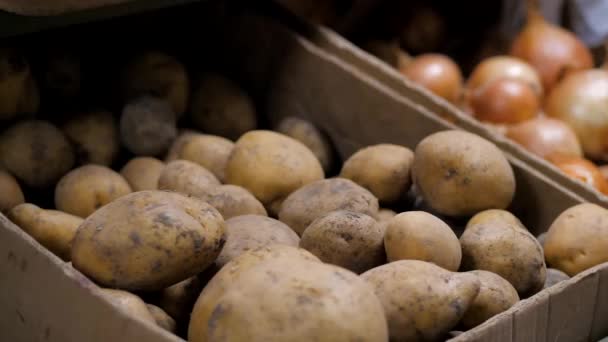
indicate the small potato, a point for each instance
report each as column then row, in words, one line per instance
column 422, row 301
column 421, row 236
column 95, row 137
column 385, row 215
column 19, row 92
column 36, row 152
column 554, row 276
column 161, row 318
column 11, row 192
column 346, row 238
column 271, row 166
column 148, row 126
column 53, row 229
column 321, row 197
column 249, row 232
column 232, row 200
column 306, row 133
column 183, row 137
column 221, row 107
column 496, row 295
column 142, row 173
column 578, row 239
column 503, row 247
column 178, row 300
column 148, row 240
column 210, row 151
column 88, row 188
column 382, row 169
column 460, row 174
column 187, row 178
column 129, row 303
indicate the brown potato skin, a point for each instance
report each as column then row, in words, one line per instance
column 187, row 178
column 11, row 192
column 210, row 151
column 95, row 137
column 347, row 239
column 390, row 177
column 162, row 318
column 321, row 197
column 421, row 236
column 129, row 303
column 36, row 152
column 178, row 300
column 309, row 135
column 85, row 189
column 496, row 295
column 148, row 240
column 460, row 174
column 53, row 229
column 142, row 173
column 232, row 201
column 422, row 301
column 578, row 239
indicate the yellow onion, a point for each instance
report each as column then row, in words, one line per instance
column 497, row 67
column 546, row 137
column 583, row 170
column 504, row 100
column 437, row 73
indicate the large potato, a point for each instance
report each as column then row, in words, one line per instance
column 422, row 301
column 249, row 232
column 87, row 188
column 321, row 197
column 578, row 239
column 503, row 247
column 346, row 238
column 421, row 236
column 460, row 174
column 209, row 151
column 382, row 169
column 177, row 300
column 142, row 173
column 18, row 90
column 271, row 165
column 233, row 200
column 95, row 137
column 186, row 177
column 161, row 318
column 306, row 133
column 10, row 190
column 148, row 240
column 53, row 229
column 36, row 152
column 129, row 303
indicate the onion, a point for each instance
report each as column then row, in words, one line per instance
column 546, row 137
column 504, row 100
column 581, row 100
column 581, row 169
column 425, row 31
column 604, row 171
column 497, row 67
column 436, row 72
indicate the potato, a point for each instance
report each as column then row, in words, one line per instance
column 554, row 276
column 327, row 302
column 389, row 178
column 209, row 151
column 503, row 247
column 541, row 239
column 183, row 137
column 95, row 137
column 249, row 232
column 385, row 215
column 495, row 214
column 148, row 240
column 495, row 296
column 421, row 236
column 148, row 126
column 142, row 173
column 321, row 197
column 233, row 200
column 221, row 107
column 36, row 152
column 161, row 318
column 460, row 174
column 578, row 239
column 157, row 74
column 61, row 76
column 306, row 133
column 129, row 303
column 186, row 177
column 18, row 90
column 178, row 300
column 271, row 166
column 226, row 277
column 11, row 192
column 422, row 301
column 346, row 238
column 53, row 229
column 87, row 188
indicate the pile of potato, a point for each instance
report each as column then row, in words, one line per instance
column 219, row 229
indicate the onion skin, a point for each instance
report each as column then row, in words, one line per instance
column 581, row 100
column 437, row 73
column 581, row 169
column 497, row 67
column 546, row 137
column 505, row 100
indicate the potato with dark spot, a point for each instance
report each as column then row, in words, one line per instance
column 148, row 240
column 142, row 173
column 232, row 200
column 460, row 174
column 210, row 151
column 249, row 232
column 178, row 300
column 309, row 135
column 53, row 229
column 129, row 303
column 554, row 276
column 95, row 137
column 422, row 301
column 346, row 238
column 578, row 239
column 382, row 169
column 35, row 152
column 496, row 295
column 161, row 318
column 11, row 192
column 504, row 247
column 187, row 178
column 88, row 188
column 419, row 235
column 321, row 197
